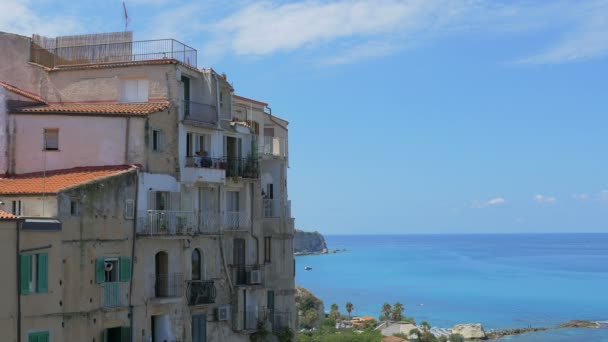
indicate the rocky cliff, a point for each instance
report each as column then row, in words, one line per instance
column 309, row 243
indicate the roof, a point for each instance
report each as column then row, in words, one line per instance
column 250, row 100
column 393, row 339
column 53, row 182
column 163, row 61
column 22, row 92
column 6, row 216
column 97, row 108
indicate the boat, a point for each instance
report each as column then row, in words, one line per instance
column 308, row 268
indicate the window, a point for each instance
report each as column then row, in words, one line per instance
column 117, row 334
column 74, row 208
column 196, row 264
column 134, row 90
column 110, row 270
column 41, row 336
column 221, row 99
column 129, row 209
column 196, row 143
column 51, row 139
column 157, row 140
column 267, row 248
column 17, row 208
column 232, row 201
column 34, row 273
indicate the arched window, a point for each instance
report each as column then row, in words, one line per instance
column 196, row 264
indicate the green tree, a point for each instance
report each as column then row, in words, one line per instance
column 425, row 326
column 349, row 308
column 386, row 310
column 333, row 312
column 456, row 338
column 442, row 339
column 310, row 318
column 307, row 303
column 397, row 311
column 414, row 335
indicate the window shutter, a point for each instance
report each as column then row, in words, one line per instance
column 25, row 269
column 100, row 270
column 44, row 337
column 129, row 209
column 43, row 273
column 125, row 334
column 33, row 337
column 125, row 268
column 142, row 91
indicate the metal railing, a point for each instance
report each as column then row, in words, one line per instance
column 241, row 167
column 273, row 147
column 200, row 112
column 236, row 220
column 111, row 295
column 168, row 285
column 115, row 52
column 280, row 320
column 204, row 162
column 201, row 292
column 272, row 207
column 170, row 222
column 248, row 274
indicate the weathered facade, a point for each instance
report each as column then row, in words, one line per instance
column 212, row 235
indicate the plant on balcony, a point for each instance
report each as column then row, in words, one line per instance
column 284, row 334
column 251, row 167
column 260, row 334
column 162, row 224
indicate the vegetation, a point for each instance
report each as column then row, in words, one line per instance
column 284, row 335
column 425, row 326
column 328, row 333
column 410, row 320
column 334, row 313
column 349, row 308
column 456, row 338
column 397, row 312
column 402, row 335
column 307, row 303
column 386, row 310
column 310, row 318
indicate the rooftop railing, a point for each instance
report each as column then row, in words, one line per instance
column 114, row 53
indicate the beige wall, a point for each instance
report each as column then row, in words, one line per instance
column 8, row 286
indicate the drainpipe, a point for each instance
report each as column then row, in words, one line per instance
column 217, row 98
column 18, row 281
column 257, row 241
column 133, row 251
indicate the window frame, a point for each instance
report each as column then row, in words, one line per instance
column 267, row 249
column 45, row 137
column 199, row 269
column 157, row 140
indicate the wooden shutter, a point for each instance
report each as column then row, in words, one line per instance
column 44, row 337
column 100, row 270
column 43, row 273
column 24, row 272
column 125, row 268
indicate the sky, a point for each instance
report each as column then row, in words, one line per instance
column 420, row 116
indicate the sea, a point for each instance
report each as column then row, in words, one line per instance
column 499, row 280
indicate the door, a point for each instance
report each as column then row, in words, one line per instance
column 270, row 305
column 186, row 82
column 238, row 260
column 162, row 274
column 199, row 327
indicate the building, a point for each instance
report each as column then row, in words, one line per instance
column 212, row 243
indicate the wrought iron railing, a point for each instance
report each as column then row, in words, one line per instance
column 237, row 220
column 204, row 162
column 199, row 112
column 111, row 295
column 168, row 285
column 201, row 292
column 248, row 274
column 241, row 167
column 273, row 147
column 115, row 52
column 170, row 222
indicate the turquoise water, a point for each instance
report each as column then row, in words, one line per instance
column 501, row 281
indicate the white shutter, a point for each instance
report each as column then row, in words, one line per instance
column 142, row 91
column 134, row 91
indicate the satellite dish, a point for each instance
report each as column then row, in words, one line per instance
column 109, row 266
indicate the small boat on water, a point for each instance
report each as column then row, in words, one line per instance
column 308, row 268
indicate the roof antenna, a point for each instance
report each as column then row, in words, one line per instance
column 126, row 15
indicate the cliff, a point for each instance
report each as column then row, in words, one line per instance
column 311, row 310
column 309, row 243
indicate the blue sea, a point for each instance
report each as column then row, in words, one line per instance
column 501, row 281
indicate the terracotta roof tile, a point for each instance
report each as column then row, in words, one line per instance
column 54, row 181
column 22, row 92
column 97, row 108
column 239, row 97
column 6, row 216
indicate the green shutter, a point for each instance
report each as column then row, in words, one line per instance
column 43, row 273
column 100, row 270
column 44, row 337
column 25, row 265
column 125, row 268
column 125, row 334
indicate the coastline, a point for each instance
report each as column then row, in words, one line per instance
column 323, row 252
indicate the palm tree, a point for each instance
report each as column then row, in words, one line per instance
column 398, row 311
column 386, row 310
column 334, row 313
column 425, row 326
column 349, row 308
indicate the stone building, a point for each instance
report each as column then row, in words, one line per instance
column 212, row 238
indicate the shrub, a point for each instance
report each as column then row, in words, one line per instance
column 456, row 338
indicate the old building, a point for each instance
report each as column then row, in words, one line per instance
column 213, row 234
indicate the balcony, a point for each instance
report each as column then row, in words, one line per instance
column 272, row 207
column 110, row 297
column 117, row 52
column 201, row 292
column 168, row 285
column 273, row 147
column 204, row 169
column 244, row 275
column 195, row 112
column 280, row 320
column 168, row 222
column 237, row 220
column 241, row 167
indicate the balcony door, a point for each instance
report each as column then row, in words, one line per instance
column 162, row 274
column 238, row 259
column 199, row 327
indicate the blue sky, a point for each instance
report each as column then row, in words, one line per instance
column 423, row 116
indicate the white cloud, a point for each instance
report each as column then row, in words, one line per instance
column 490, row 203
column 604, row 195
column 581, row 197
column 601, row 196
column 545, row 199
column 17, row 16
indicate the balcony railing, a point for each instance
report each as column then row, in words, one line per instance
column 248, row 274
column 273, row 147
column 280, row 320
column 241, row 167
column 237, row 220
column 111, row 295
column 114, row 53
column 204, row 162
column 168, row 285
column 201, row 292
column 272, row 207
column 200, row 112
column 169, row 222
